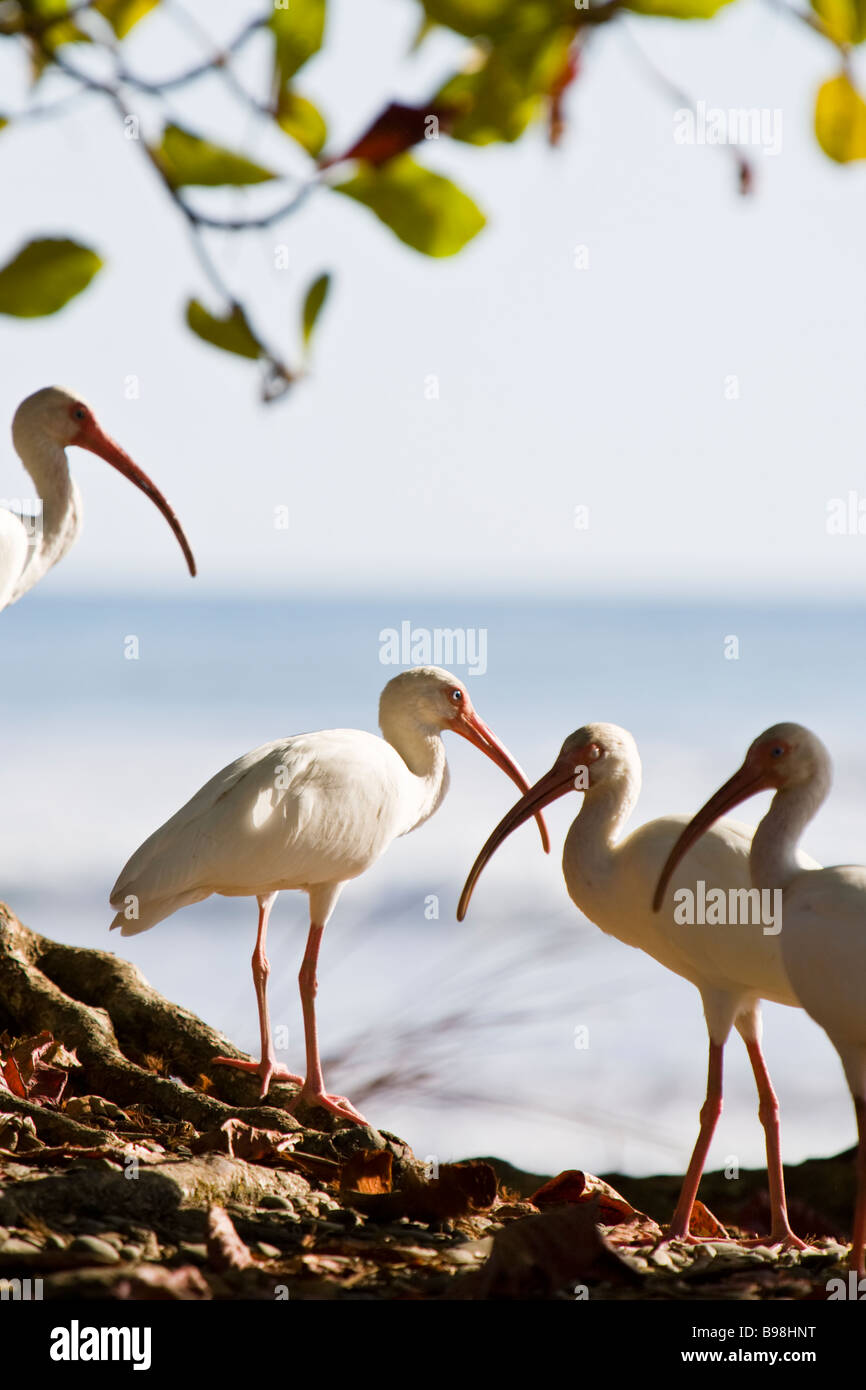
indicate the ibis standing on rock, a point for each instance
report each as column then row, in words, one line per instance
column 44, row 427
column 309, row 812
column 611, row 881
column 823, row 936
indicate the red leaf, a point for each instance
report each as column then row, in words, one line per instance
column 12, row 1078
column 394, row 131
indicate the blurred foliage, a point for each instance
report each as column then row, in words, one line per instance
column 840, row 120
column 187, row 159
column 424, row 209
column 516, row 63
column 44, row 276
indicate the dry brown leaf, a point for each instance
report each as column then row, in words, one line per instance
column 705, row 1225
column 225, row 1249
column 368, row 1170
column 547, row 1254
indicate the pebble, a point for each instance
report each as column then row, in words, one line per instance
column 349, row 1219
column 189, row 1250
column 98, row 1250
column 462, row 1255
column 129, row 1252
column 270, row 1252
column 662, row 1260
column 275, row 1201
column 15, row 1246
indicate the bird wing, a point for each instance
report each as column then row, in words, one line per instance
column 311, row 809
column 737, row 957
column 14, row 544
column 824, row 948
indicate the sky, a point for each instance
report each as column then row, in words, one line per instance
column 607, row 387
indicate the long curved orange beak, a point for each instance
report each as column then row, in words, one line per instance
column 746, row 782
column 555, row 783
column 92, row 437
column 471, row 727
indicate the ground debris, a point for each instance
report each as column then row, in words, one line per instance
column 127, row 1175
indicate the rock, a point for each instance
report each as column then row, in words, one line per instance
column 160, row 1190
column 270, row 1252
column 350, row 1220
column 356, row 1139
column 15, row 1246
column 465, row 1254
column 96, row 1249
column 275, row 1201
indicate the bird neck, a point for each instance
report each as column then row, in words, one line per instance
column 592, row 839
column 46, row 463
column 773, row 858
column 423, row 753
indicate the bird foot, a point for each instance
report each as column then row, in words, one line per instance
column 689, row 1239
column 777, row 1240
column 336, row 1105
column 267, row 1072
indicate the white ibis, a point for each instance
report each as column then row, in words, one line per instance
column 823, row 936
column 44, row 426
column 309, row 812
column 734, row 967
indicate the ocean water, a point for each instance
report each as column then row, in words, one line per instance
column 459, row 1037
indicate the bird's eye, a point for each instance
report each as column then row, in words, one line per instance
column 457, row 696
column 594, row 752
column 79, row 413
column 777, row 752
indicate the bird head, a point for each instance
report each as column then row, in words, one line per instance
column 433, row 700
column 591, row 756
column 61, row 418
column 56, row 414
column 784, row 757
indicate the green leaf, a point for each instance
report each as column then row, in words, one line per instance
column 506, row 93
column 44, row 276
column 54, row 34
column 298, row 27
column 301, row 119
column 187, row 159
column 315, row 298
column 123, row 15
column 845, row 20
column 428, row 212
column 678, row 9
column 469, row 17
column 840, row 121
column 232, row 332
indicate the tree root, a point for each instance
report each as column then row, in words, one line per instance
column 125, row 1034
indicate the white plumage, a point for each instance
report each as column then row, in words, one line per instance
column 46, row 424
column 611, row 881
column 823, row 936
column 310, row 813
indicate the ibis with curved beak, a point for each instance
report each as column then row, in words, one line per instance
column 611, row 881
column 309, row 812
column 45, row 425
column 823, row 936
